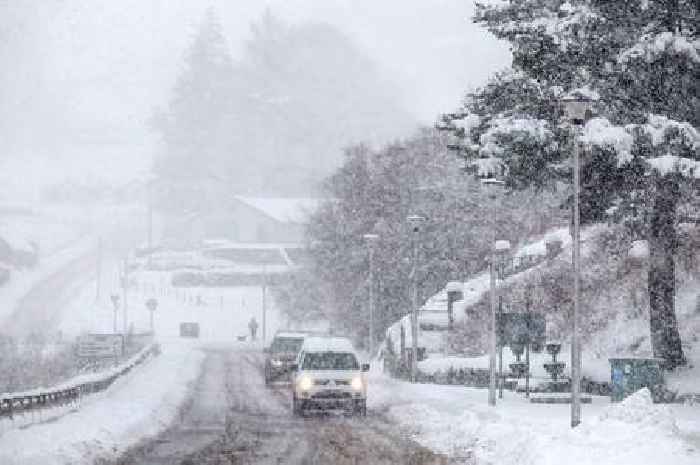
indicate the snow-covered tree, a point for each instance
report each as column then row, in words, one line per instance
column 194, row 126
column 642, row 149
column 375, row 191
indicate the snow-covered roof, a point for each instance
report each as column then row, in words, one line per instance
column 283, row 209
column 327, row 344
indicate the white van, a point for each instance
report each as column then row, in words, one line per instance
column 327, row 375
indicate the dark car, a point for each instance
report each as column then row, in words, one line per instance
column 281, row 354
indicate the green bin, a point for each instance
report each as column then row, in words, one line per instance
column 628, row 375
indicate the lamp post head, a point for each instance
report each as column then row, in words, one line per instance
column 578, row 105
column 370, row 237
column 415, row 221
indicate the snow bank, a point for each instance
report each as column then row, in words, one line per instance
column 458, row 421
column 639, row 410
column 138, row 405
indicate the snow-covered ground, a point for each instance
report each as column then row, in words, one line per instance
column 140, row 404
column 458, row 421
column 223, row 313
column 145, row 401
column 434, row 311
column 22, row 281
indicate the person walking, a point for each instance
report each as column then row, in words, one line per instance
column 253, row 326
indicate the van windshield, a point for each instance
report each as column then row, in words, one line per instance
column 330, row 361
column 286, row 344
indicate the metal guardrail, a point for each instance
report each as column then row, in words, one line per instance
column 69, row 392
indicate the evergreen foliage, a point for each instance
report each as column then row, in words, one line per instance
column 642, row 150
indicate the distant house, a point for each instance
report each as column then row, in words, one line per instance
column 245, row 219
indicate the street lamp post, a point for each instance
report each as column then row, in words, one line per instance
column 415, row 221
column 125, row 289
column 371, row 239
column 115, row 304
column 577, row 108
column 492, row 184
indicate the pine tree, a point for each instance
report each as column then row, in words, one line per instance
column 194, row 126
column 641, row 57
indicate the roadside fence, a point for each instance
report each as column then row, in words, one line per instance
column 69, row 393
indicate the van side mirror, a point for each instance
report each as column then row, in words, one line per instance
column 293, row 366
column 365, row 367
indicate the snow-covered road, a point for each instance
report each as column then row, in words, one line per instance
column 234, row 418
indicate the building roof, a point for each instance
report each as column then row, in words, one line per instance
column 283, row 209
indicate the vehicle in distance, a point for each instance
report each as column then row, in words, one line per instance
column 327, row 375
column 189, row 329
column 281, row 354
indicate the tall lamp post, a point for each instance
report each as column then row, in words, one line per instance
column 492, row 184
column 371, row 239
column 577, row 108
column 415, row 221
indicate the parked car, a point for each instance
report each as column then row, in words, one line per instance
column 281, row 354
column 327, row 375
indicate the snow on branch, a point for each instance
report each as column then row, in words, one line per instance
column 467, row 123
column 516, row 127
column 601, row 133
column 662, row 129
column 651, row 46
column 668, row 163
column 561, row 24
column 490, row 167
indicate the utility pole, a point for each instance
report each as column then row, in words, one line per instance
column 578, row 107
column 500, row 345
column 415, row 220
column 575, row 348
column 491, row 184
column 115, row 304
column 125, row 290
column 492, row 331
column 150, row 225
column 99, row 269
column 264, row 305
column 371, row 238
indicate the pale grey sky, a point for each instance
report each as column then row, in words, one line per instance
column 85, row 74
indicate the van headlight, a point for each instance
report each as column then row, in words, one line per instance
column 305, row 383
column 357, row 383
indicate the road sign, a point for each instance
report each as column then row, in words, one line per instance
column 151, row 304
column 100, row 345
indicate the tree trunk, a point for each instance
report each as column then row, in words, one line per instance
column 665, row 339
